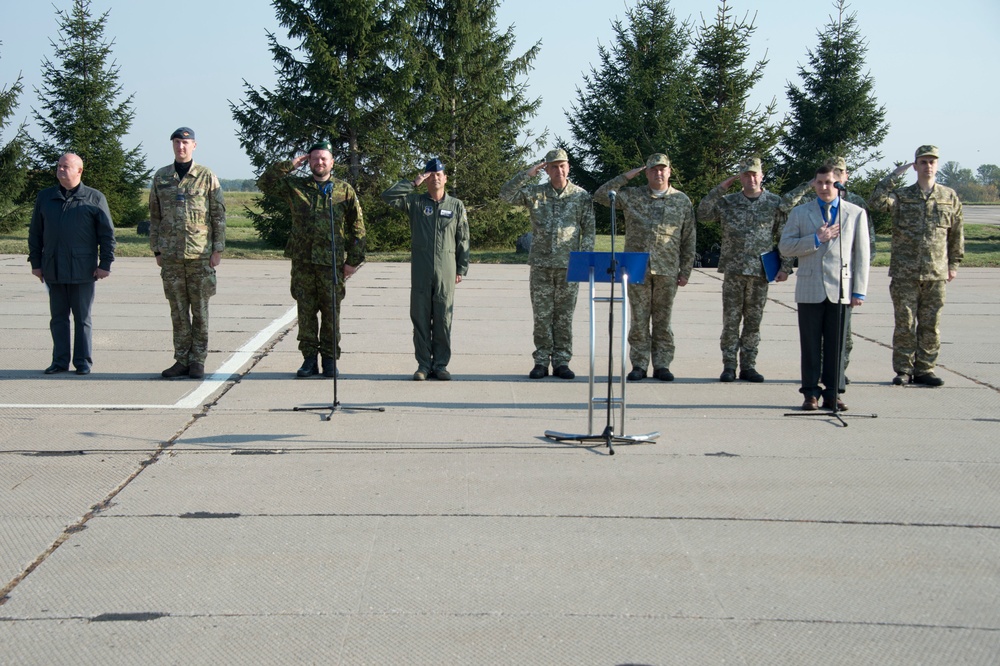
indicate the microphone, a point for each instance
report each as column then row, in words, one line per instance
column 327, row 188
column 840, row 186
column 611, row 196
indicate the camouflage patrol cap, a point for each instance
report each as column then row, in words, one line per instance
column 751, row 164
column 183, row 133
column 557, row 155
column 836, row 162
column 321, row 145
column 925, row 151
column 657, row 159
column 433, row 165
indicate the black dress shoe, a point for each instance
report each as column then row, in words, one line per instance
column 54, row 369
column 310, row 367
column 563, row 372
column 83, row 370
column 538, row 371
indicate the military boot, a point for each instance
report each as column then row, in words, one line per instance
column 178, row 369
column 310, row 367
column 328, row 369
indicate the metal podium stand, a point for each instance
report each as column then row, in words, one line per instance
column 595, row 267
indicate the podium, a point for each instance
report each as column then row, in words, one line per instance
column 610, row 267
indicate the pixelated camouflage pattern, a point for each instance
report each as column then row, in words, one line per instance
column 928, row 238
column 664, row 227
column 561, row 222
column 916, row 338
column 650, row 335
column 187, row 218
column 188, row 284
column 311, row 285
column 743, row 299
column 309, row 237
column 553, row 303
column 749, row 229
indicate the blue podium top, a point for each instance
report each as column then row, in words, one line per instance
column 631, row 263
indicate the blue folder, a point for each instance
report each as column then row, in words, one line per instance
column 771, row 261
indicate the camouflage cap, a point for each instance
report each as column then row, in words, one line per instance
column 926, row 150
column 557, row 155
column 657, row 159
column 321, row 145
column 751, row 164
column 836, row 162
column 433, row 165
column 183, row 133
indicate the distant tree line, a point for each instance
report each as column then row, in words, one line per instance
column 392, row 83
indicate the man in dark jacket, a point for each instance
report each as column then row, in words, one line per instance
column 71, row 244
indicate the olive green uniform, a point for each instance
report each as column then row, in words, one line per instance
column 439, row 252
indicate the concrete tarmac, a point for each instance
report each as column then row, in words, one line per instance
column 194, row 522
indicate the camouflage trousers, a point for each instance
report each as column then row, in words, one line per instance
column 651, row 302
column 188, row 284
column 916, row 340
column 743, row 299
column 553, row 302
column 311, row 287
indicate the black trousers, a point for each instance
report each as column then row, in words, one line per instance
column 78, row 300
column 822, row 328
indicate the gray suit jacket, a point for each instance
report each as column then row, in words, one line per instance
column 818, row 277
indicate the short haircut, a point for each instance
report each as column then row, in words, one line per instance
column 824, row 169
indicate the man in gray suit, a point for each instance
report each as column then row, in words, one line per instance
column 830, row 237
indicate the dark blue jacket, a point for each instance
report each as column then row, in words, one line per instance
column 71, row 236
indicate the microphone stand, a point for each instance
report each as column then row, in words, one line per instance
column 335, row 405
column 838, row 413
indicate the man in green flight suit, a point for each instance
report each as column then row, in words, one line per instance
column 439, row 259
column 319, row 204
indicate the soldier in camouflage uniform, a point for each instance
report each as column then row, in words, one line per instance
column 187, row 233
column 439, row 259
column 928, row 244
column 659, row 220
column 562, row 221
column 794, row 198
column 751, row 222
column 319, row 205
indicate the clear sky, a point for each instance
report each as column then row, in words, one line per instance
column 934, row 64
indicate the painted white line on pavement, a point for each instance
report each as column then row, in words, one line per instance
column 207, row 387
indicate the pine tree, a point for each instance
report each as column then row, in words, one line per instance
column 13, row 170
column 83, row 115
column 342, row 80
column 636, row 103
column 472, row 108
column 835, row 112
column 721, row 130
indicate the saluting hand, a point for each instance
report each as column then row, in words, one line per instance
column 535, row 169
column 635, row 172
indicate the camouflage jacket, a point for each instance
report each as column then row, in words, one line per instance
column 927, row 231
column 187, row 218
column 749, row 229
column 561, row 222
column 805, row 190
column 311, row 212
column 663, row 227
